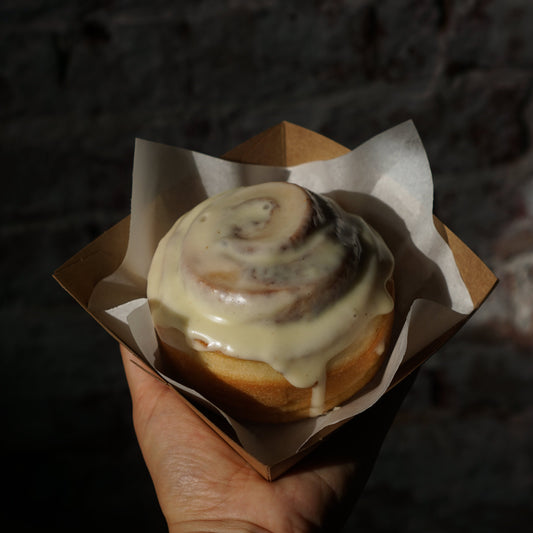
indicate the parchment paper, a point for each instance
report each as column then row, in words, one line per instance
column 387, row 180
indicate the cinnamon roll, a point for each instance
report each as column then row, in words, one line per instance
column 272, row 301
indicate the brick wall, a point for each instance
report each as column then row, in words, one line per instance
column 80, row 80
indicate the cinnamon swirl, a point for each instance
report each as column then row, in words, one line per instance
column 272, row 301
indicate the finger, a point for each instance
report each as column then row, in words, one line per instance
column 151, row 397
column 154, row 402
column 139, row 376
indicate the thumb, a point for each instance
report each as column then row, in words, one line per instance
column 139, row 376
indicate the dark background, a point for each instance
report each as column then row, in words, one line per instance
column 80, row 80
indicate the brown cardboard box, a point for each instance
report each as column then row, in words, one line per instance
column 283, row 145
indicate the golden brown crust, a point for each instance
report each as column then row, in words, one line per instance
column 254, row 391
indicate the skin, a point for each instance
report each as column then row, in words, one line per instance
column 203, row 485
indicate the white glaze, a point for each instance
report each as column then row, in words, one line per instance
column 229, row 269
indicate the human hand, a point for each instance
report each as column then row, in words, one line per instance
column 204, row 485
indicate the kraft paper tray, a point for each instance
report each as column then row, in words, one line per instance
column 282, row 145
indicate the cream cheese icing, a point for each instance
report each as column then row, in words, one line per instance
column 272, row 273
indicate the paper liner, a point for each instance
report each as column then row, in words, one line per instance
column 387, row 180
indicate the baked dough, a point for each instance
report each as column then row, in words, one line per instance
column 272, row 302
